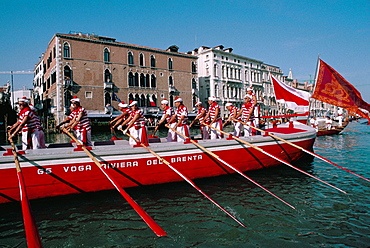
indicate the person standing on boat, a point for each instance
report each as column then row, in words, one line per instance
column 328, row 122
column 314, row 123
column 80, row 123
column 168, row 113
column 340, row 117
column 29, row 124
column 136, row 125
column 247, row 111
column 201, row 114
column 233, row 111
column 215, row 118
column 123, row 107
column 181, row 118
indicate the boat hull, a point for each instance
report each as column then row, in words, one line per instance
column 61, row 171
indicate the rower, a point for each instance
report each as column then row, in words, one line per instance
column 248, row 116
column 215, row 118
column 168, row 112
column 181, row 117
column 233, row 111
column 201, row 114
column 136, row 125
column 29, row 124
column 124, row 108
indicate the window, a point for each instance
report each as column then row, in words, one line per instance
column 193, row 84
column 142, row 80
column 170, row 81
column 152, row 61
column 106, row 55
column 193, row 67
column 130, row 79
column 66, row 51
column 141, row 59
column 170, row 65
column 136, row 79
column 67, row 73
column 147, row 81
column 130, row 58
column 107, row 76
column 88, row 94
column 153, row 81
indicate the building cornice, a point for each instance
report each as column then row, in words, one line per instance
column 85, row 38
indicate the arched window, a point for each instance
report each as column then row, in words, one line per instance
column 136, row 81
column 142, row 102
column 141, row 59
column 147, row 81
column 131, row 98
column 66, row 51
column 153, row 81
column 142, row 80
column 170, row 65
column 107, row 98
column 193, row 67
column 193, row 84
column 137, row 98
column 67, row 73
column 152, row 61
column 131, row 79
column 171, row 101
column 107, row 76
column 170, row 81
column 130, row 58
column 154, row 98
column 106, row 55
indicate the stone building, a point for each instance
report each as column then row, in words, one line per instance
column 100, row 70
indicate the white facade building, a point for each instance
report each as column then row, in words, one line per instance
column 226, row 76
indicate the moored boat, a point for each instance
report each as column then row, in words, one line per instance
column 65, row 169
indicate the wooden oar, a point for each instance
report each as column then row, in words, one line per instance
column 144, row 215
column 290, row 165
column 230, row 166
column 356, row 131
column 185, row 178
column 32, row 234
column 307, row 151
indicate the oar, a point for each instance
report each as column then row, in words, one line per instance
column 144, row 215
column 307, row 151
column 32, row 234
column 185, row 178
column 288, row 164
column 230, row 166
column 356, row 131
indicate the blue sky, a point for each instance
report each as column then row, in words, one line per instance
column 288, row 34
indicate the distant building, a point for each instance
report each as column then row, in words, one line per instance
column 226, row 76
column 100, row 70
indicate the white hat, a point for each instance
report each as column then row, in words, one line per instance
column 178, row 99
column 212, row 98
column 133, row 103
column 164, row 101
column 247, row 95
column 75, row 99
column 249, row 89
column 122, row 104
column 228, row 104
column 23, row 99
column 198, row 103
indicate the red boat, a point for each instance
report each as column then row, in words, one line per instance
column 64, row 169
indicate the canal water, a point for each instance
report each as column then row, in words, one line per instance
column 323, row 216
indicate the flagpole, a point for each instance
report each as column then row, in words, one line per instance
column 316, row 75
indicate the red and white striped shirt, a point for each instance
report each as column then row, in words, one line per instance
column 212, row 111
column 170, row 112
column 199, row 113
column 84, row 123
column 233, row 112
column 182, row 110
column 247, row 109
column 33, row 121
column 141, row 119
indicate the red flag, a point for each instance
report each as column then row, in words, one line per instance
column 332, row 88
column 296, row 100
